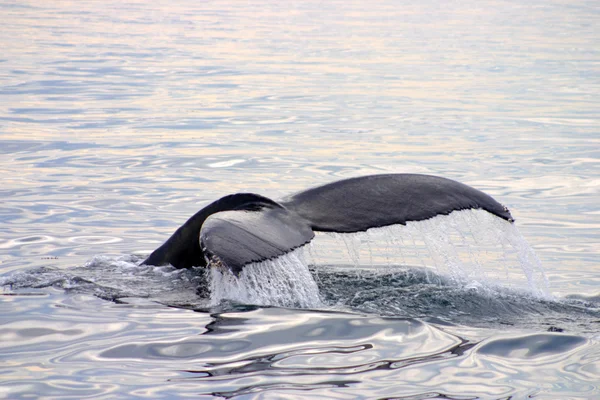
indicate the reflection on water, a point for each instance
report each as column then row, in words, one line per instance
column 119, row 120
column 93, row 347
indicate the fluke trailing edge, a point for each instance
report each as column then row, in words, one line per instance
column 244, row 228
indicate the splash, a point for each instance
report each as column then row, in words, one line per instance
column 472, row 248
column 284, row 281
column 469, row 250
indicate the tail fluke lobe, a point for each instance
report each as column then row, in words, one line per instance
column 358, row 204
column 237, row 238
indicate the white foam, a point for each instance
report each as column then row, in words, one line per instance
column 284, row 281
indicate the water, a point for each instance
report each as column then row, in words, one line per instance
column 119, row 120
column 465, row 245
column 285, row 281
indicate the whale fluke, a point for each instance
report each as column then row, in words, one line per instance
column 244, row 228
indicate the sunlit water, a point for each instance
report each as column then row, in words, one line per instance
column 119, row 120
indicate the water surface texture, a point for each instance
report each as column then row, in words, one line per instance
column 119, row 120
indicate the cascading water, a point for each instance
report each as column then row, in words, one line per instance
column 285, row 281
column 471, row 247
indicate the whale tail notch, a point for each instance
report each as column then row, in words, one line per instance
column 245, row 228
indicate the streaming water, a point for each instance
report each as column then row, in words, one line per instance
column 471, row 246
column 284, row 281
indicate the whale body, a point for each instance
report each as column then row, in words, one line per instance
column 244, row 228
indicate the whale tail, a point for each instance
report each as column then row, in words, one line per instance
column 244, row 228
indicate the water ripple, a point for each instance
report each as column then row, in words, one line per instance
column 119, row 120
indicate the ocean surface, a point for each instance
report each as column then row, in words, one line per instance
column 120, row 119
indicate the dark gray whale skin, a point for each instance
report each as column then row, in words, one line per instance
column 244, row 228
column 182, row 249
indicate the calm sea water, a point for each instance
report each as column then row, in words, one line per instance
column 119, row 120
